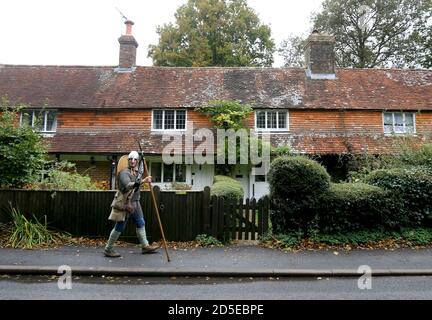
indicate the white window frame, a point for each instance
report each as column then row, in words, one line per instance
column 163, row 120
column 404, row 123
column 277, row 120
column 45, row 120
column 162, row 172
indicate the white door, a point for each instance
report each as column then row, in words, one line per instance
column 259, row 188
column 202, row 176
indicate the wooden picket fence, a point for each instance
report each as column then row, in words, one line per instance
column 184, row 215
column 237, row 220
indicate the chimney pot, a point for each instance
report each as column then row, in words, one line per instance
column 129, row 25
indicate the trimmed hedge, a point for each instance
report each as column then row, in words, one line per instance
column 296, row 184
column 227, row 188
column 355, row 206
column 413, row 186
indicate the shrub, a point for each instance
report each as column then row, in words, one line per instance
column 226, row 114
column 353, row 206
column 296, row 184
column 62, row 176
column 22, row 151
column 29, row 233
column 419, row 236
column 180, row 186
column 413, row 186
column 409, row 155
column 227, row 188
column 280, row 151
column 206, row 240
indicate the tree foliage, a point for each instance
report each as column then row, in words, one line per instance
column 420, row 52
column 376, row 33
column 213, row 33
column 226, row 114
column 22, row 151
column 63, row 176
column 292, row 51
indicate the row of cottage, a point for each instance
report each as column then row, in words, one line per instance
column 91, row 115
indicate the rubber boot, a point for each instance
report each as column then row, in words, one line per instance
column 109, row 251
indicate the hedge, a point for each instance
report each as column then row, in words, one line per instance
column 227, row 188
column 296, row 184
column 356, row 206
column 413, row 186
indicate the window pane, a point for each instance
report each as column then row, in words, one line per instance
column 409, row 122
column 156, row 172
column 51, row 117
column 168, row 173
column 398, row 125
column 260, row 119
column 39, row 119
column 282, row 120
column 157, row 119
column 169, row 120
column 388, row 128
column 181, row 119
column 180, row 173
column 27, row 118
column 398, row 118
column 388, row 119
column 271, row 120
column 260, row 178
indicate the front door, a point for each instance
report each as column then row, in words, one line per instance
column 201, row 176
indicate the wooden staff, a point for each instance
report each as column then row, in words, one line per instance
column 146, row 173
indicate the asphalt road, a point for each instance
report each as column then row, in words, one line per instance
column 124, row 288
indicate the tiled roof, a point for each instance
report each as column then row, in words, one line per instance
column 150, row 87
column 96, row 142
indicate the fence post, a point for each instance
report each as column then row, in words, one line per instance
column 206, row 208
column 253, row 222
column 266, row 209
column 221, row 219
column 214, row 215
column 246, row 219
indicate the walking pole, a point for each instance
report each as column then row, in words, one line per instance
column 154, row 203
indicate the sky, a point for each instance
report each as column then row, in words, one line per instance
column 86, row 32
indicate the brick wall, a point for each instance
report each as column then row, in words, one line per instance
column 311, row 131
column 118, row 120
column 100, row 172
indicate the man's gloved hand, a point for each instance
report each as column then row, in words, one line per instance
column 137, row 183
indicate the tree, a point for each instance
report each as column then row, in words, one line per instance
column 292, row 51
column 420, row 52
column 22, row 151
column 231, row 116
column 214, row 33
column 373, row 33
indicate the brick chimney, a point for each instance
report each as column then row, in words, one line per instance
column 320, row 56
column 128, row 46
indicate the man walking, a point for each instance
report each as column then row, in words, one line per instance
column 129, row 195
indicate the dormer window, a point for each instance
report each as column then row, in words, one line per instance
column 44, row 121
column 169, row 120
